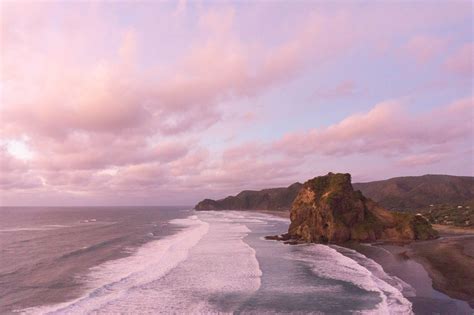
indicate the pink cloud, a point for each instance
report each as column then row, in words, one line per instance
column 461, row 62
column 83, row 151
column 15, row 174
column 424, row 48
column 421, row 159
column 343, row 89
column 102, row 116
column 387, row 128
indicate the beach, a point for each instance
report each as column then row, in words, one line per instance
column 184, row 261
column 440, row 271
column 449, row 261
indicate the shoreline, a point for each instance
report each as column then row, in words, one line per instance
column 285, row 214
column 441, row 271
column 449, row 262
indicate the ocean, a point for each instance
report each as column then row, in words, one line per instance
column 148, row 260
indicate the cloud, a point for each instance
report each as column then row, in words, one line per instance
column 386, row 129
column 343, row 89
column 139, row 105
column 461, row 62
column 421, row 159
column 424, row 48
column 15, row 173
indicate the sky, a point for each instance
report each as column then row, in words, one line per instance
column 167, row 103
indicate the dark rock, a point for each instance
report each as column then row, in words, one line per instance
column 282, row 237
column 328, row 210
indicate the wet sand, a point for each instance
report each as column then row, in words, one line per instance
column 440, row 271
column 450, row 264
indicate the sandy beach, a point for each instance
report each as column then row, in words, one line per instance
column 449, row 261
column 440, row 271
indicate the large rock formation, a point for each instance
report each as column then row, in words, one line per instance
column 267, row 199
column 327, row 209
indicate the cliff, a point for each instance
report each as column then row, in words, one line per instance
column 266, row 199
column 327, row 209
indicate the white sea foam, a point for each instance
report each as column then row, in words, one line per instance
column 113, row 280
column 208, row 268
column 378, row 271
column 329, row 262
column 192, row 271
column 35, row 228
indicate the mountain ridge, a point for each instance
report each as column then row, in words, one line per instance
column 278, row 199
column 404, row 193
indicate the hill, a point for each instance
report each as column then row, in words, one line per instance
column 438, row 193
column 417, row 192
column 266, row 199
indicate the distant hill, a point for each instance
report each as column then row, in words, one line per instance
column 416, row 192
column 266, row 199
column 409, row 193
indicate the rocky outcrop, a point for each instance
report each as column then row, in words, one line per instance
column 267, row 199
column 327, row 209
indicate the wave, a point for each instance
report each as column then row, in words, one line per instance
column 36, row 228
column 339, row 263
column 112, row 280
column 91, row 248
column 205, row 268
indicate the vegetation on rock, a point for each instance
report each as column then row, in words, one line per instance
column 458, row 214
column 413, row 193
column 266, row 199
column 327, row 209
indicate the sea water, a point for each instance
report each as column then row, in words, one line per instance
column 175, row 260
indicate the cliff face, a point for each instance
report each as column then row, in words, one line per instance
column 327, row 209
column 267, row 199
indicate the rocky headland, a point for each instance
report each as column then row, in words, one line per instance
column 328, row 209
column 277, row 199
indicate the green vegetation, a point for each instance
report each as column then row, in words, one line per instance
column 461, row 214
column 329, row 210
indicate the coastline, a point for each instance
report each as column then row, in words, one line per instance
column 450, row 263
column 440, row 271
column 285, row 214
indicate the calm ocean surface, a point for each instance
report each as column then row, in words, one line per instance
column 148, row 260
